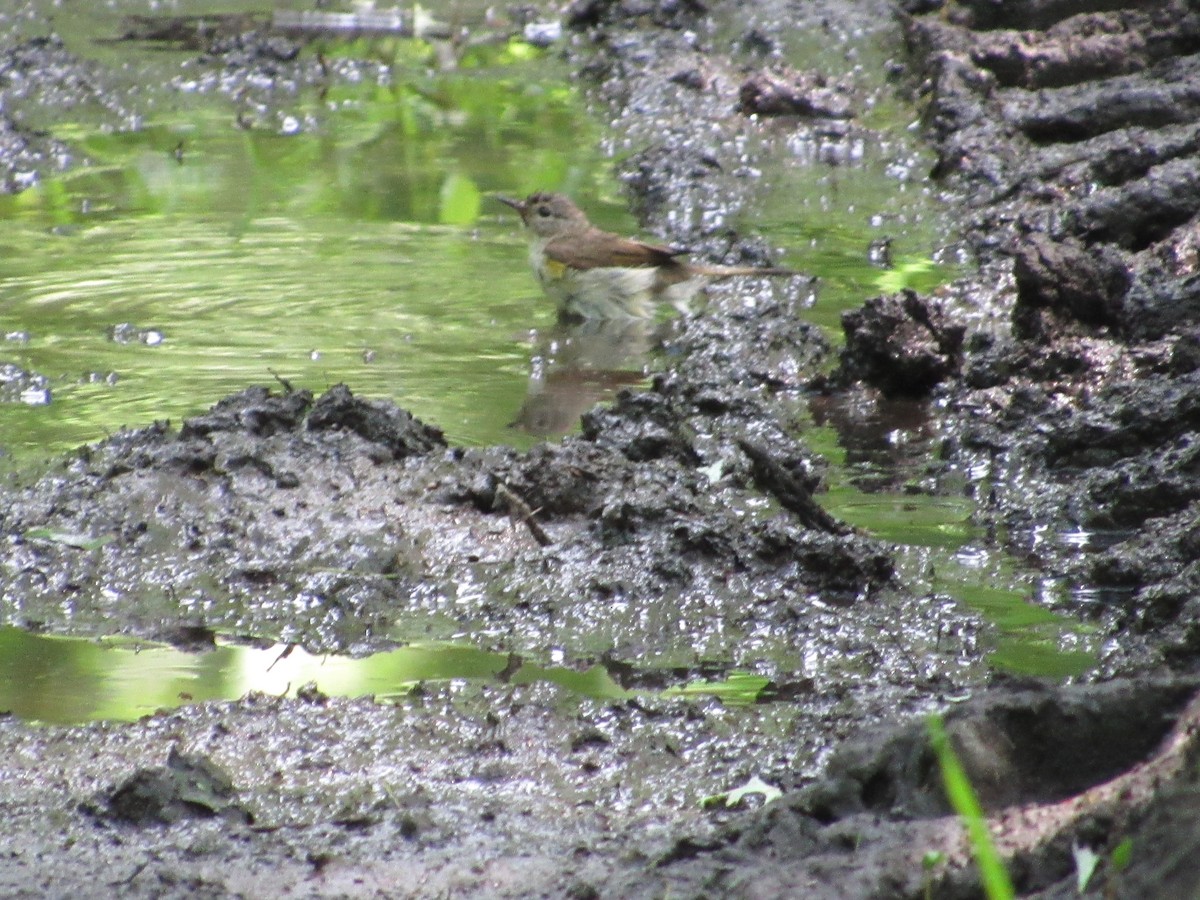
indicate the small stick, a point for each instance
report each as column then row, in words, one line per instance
column 519, row 509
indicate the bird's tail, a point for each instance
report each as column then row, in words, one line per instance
column 714, row 271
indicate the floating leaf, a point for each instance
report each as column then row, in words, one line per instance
column 459, row 201
column 919, row 274
column 754, row 786
column 69, row 538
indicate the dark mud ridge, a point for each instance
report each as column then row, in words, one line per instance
column 1067, row 368
column 1075, row 146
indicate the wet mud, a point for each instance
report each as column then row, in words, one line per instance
column 1082, row 209
column 683, row 524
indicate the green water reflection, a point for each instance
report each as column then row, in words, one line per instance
column 67, row 680
column 825, row 201
column 876, row 485
column 360, row 248
column 941, row 553
column 347, row 236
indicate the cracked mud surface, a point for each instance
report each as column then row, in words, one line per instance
column 1067, row 368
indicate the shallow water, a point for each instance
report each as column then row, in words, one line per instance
column 56, row 680
column 355, row 244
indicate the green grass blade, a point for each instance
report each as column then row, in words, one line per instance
column 996, row 883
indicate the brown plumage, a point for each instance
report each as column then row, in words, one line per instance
column 595, row 274
column 592, row 248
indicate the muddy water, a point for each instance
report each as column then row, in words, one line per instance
column 348, row 238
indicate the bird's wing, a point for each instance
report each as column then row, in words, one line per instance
column 601, row 250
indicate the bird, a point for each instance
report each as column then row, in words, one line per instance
column 595, row 274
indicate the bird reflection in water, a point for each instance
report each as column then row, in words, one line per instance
column 577, row 365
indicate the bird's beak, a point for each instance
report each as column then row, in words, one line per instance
column 518, row 205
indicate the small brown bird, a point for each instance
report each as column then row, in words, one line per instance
column 595, row 274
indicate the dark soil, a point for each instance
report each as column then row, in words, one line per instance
column 683, row 518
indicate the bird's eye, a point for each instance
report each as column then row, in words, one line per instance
column 543, row 211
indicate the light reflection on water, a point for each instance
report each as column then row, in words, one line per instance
column 1085, row 540
column 361, row 249
column 972, row 556
column 68, row 680
column 900, row 493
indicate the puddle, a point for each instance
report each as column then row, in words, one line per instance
column 58, row 680
column 353, row 242
column 860, row 213
column 349, row 237
column 884, row 479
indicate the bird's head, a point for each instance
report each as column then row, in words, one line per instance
column 547, row 214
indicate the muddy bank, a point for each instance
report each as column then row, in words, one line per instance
column 680, row 526
column 1065, row 371
column 1068, row 131
column 1083, row 213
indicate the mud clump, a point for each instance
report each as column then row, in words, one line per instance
column 1069, row 281
column 379, row 510
column 378, row 423
column 902, row 345
column 255, row 411
column 1089, row 45
column 1091, row 736
column 674, row 14
column 185, row 787
column 773, row 93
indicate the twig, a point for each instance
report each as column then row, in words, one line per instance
column 519, row 509
column 791, row 492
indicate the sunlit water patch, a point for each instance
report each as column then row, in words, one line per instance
column 67, row 680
